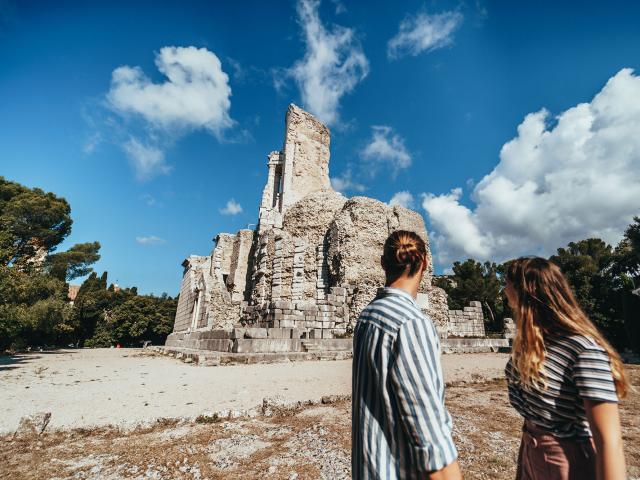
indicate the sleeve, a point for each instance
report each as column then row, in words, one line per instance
column 592, row 375
column 513, row 387
column 418, row 393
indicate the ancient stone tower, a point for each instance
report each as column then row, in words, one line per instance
column 312, row 263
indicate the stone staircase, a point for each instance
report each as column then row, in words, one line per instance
column 310, row 346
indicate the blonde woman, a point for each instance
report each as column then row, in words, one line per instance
column 564, row 379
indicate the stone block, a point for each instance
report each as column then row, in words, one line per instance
column 255, row 333
column 422, row 301
column 214, row 334
column 315, row 334
column 267, row 345
column 216, row 345
column 278, row 333
column 475, row 304
column 237, row 333
column 283, row 304
column 334, row 344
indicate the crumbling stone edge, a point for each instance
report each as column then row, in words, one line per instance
column 213, row 359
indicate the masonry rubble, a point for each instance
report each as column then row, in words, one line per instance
column 311, row 265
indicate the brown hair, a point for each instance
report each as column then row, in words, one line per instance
column 404, row 253
column 546, row 307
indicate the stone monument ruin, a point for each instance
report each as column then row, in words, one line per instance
column 298, row 282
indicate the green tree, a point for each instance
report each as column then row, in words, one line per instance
column 33, row 309
column 626, row 264
column 472, row 280
column 587, row 265
column 143, row 317
column 32, row 223
column 75, row 262
column 627, row 253
column 133, row 319
column 92, row 300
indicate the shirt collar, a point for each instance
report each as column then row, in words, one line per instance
column 386, row 291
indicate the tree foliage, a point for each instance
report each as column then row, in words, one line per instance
column 472, row 280
column 33, row 309
column 31, row 222
column 588, row 265
column 34, row 305
column 137, row 319
column 628, row 253
column 75, row 262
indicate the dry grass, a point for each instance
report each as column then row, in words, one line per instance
column 305, row 443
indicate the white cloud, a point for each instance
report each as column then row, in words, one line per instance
column 232, row 208
column 92, row 143
column 333, row 64
column 404, row 199
column 150, row 240
column 340, row 7
column 345, row 183
column 196, row 93
column 147, row 160
column 385, row 147
column 578, row 178
column 150, row 200
column 423, row 32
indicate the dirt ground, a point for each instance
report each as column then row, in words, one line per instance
column 282, row 442
column 124, row 387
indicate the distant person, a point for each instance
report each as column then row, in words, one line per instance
column 400, row 426
column 564, row 379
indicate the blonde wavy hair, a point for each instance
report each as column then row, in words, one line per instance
column 544, row 306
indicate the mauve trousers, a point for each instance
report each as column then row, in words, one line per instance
column 545, row 457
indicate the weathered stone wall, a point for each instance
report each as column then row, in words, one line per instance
column 308, row 222
column 221, row 312
column 355, row 243
column 468, row 322
column 188, row 292
column 237, row 281
column 509, row 329
column 306, row 156
column 222, row 254
column 437, row 308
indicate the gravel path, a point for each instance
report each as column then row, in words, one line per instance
column 83, row 388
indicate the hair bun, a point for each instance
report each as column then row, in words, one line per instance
column 404, row 252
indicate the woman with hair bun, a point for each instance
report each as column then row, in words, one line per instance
column 400, row 426
column 564, row 379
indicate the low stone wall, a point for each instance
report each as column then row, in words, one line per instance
column 474, row 345
column 248, row 341
column 465, row 323
column 509, row 331
column 259, row 340
column 212, row 359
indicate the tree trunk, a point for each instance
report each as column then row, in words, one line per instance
column 493, row 319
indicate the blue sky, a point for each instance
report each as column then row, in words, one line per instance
column 439, row 100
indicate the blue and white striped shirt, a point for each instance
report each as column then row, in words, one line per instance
column 400, row 426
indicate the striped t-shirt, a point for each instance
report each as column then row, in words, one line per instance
column 400, row 426
column 576, row 369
